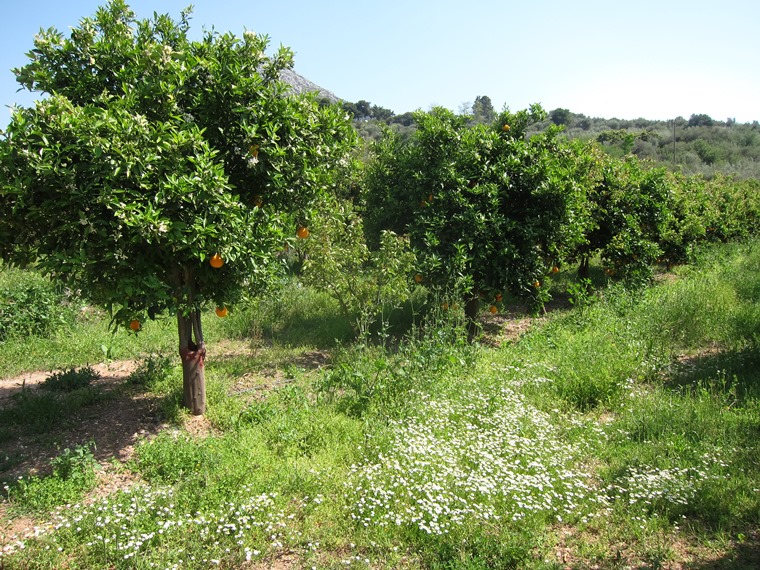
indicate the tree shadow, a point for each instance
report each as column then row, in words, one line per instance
column 744, row 555
column 734, row 372
column 37, row 425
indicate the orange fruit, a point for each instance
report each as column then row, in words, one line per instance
column 221, row 311
column 493, row 309
column 303, row 232
column 498, row 297
column 505, row 128
column 135, row 325
column 418, row 278
column 555, row 269
column 537, row 284
column 216, row 261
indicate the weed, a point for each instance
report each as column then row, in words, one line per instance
column 71, row 379
column 151, row 371
column 39, row 412
column 73, row 474
column 31, row 305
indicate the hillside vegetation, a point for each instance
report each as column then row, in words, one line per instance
column 697, row 145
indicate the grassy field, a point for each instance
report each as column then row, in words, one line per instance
column 623, row 432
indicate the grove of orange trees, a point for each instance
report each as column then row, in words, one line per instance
column 167, row 175
column 495, row 210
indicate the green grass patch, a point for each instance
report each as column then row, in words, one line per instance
column 40, row 412
column 621, row 433
column 73, row 474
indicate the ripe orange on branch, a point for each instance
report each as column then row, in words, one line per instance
column 303, row 232
column 135, row 325
column 493, row 310
column 216, row 261
column 221, row 311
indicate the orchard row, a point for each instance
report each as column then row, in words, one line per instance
column 489, row 209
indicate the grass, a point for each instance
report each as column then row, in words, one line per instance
column 622, row 433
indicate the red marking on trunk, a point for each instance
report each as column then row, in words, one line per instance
column 195, row 353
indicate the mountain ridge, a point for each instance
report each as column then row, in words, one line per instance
column 300, row 85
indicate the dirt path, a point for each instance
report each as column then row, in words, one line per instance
column 114, row 426
column 110, row 372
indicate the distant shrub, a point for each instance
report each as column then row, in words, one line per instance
column 30, row 304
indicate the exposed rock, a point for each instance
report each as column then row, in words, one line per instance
column 300, row 84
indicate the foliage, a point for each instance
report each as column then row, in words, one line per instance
column 31, row 304
column 297, row 316
column 154, row 152
column 371, row 379
column 482, row 110
column 630, row 208
column 699, row 145
column 487, row 208
column 73, row 474
column 151, row 371
column 38, row 412
column 364, row 282
column 561, row 116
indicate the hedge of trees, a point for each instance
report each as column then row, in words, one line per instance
column 495, row 210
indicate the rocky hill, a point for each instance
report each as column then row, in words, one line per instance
column 300, row 84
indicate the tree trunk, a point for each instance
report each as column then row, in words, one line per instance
column 583, row 267
column 192, row 351
column 471, row 308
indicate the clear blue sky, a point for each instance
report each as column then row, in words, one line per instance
column 655, row 59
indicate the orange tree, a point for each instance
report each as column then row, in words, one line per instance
column 631, row 212
column 155, row 154
column 488, row 209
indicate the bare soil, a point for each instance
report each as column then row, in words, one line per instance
column 114, row 428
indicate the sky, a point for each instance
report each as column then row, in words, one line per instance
column 652, row 59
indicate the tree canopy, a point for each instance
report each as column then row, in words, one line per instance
column 154, row 153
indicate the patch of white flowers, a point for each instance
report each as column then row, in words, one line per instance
column 645, row 486
column 485, row 456
column 129, row 524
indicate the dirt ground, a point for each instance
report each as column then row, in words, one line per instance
column 115, row 427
